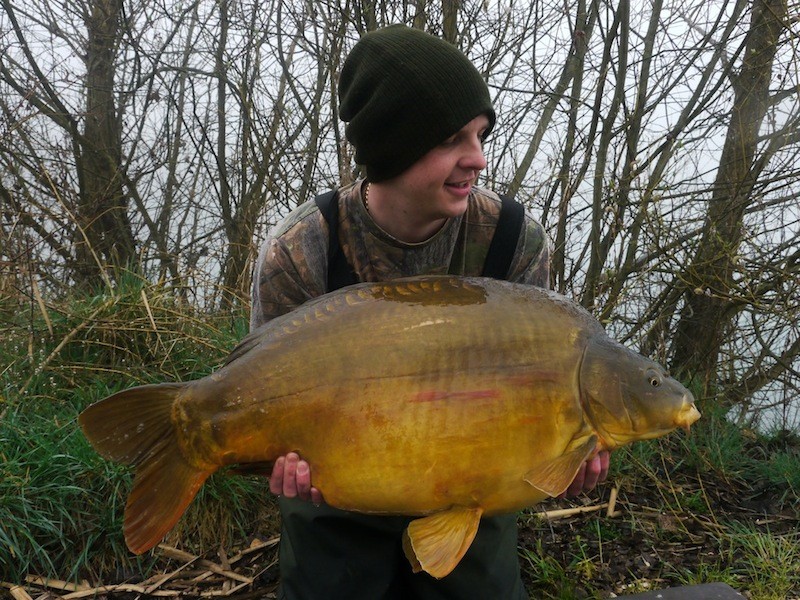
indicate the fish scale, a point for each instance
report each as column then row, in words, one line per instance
column 440, row 397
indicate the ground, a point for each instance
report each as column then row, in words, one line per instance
column 672, row 529
column 670, row 526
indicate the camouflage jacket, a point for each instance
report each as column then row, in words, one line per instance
column 292, row 264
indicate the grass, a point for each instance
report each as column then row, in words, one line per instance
column 60, row 503
column 770, row 563
column 694, row 506
column 547, row 573
column 714, row 506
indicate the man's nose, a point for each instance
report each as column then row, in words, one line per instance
column 474, row 157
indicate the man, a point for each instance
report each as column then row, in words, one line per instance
column 417, row 112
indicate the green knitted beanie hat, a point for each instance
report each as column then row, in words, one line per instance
column 402, row 92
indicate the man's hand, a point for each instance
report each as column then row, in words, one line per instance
column 291, row 478
column 591, row 473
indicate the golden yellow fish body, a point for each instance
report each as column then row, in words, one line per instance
column 401, row 400
column 434, row 396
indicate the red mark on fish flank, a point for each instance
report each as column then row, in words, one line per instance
column 434, row 395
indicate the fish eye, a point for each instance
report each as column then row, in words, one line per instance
column 653, row 378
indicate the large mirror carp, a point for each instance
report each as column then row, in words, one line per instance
column 441, row 397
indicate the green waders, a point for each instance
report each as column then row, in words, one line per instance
column 329, row 554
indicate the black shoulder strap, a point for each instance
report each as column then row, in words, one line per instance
column 340, row 272
column 505, row 239
column 498, row 257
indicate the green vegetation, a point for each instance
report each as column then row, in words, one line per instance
column 719, row 504
column 60, row 503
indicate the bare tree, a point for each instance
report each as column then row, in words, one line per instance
column 711, row 305
column 98, row 220
column 657, row 141
column 103, row 227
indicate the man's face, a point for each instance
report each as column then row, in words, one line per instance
column 438, row 184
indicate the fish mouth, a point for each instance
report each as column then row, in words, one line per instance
column 687, row 415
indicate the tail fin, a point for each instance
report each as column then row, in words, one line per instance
column 135, row 427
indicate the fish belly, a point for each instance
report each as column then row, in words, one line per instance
column 410, row 446
column 404, row 403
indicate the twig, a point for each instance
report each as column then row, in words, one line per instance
column 211, row 566
column 215, row 593
column 40, row 302
column 612, row 504
column 775, row 519
column 80, row 228
column 84, row 591
column 122, row 587
column 567, row 512
column 255, row 547
column 19, row 593
column 151, row 318
column 162, row 580
column 223, row 561
column 56, row 584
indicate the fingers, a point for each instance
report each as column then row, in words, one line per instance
column 605, row 462
column 576, row 487
column 291, row 478
column 290, row 475
column 316, row 496
column 592, row 472
column 276, row 477
column 302, row 480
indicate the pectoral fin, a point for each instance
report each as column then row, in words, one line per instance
column 554, row 477
column 435, row 544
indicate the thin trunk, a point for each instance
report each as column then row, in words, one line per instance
column 105, row 238
column 558, row 260
column 450, row 10
column 572, row 66
column 420, row 14
column 710, row 277
column 597, row 254
column 629, row 170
